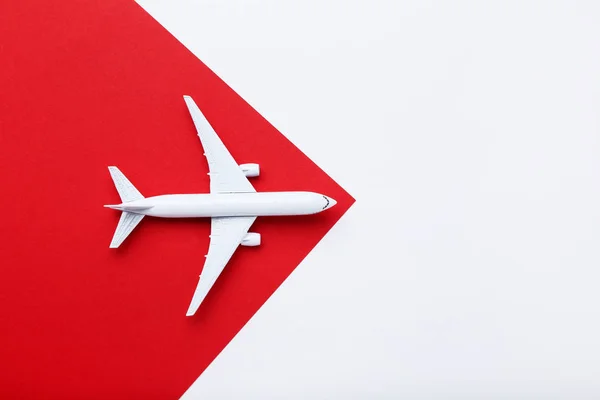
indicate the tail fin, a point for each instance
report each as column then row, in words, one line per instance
column 126, row 190
column 129, row 220
column 126, row 225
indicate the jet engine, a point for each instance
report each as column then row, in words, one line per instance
column 251, row 239
column 250, row 170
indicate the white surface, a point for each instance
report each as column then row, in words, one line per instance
column 468, row 133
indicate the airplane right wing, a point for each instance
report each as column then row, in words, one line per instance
column 225, row 237
column 225, row 174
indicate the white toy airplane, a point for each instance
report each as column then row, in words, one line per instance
column 233, row 205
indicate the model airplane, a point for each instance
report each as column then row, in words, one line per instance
column 232, row 205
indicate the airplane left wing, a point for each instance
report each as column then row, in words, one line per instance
column 225, row 174
column 226, row 235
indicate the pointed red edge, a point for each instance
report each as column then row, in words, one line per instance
column 97, row 84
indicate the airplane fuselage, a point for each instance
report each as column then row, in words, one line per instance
column 229, row 204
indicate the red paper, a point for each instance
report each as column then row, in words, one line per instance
column 84, row 85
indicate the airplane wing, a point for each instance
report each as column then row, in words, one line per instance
column 226, row 235
column 225, row 174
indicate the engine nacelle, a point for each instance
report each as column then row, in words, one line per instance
column 251, row 239
column 250, row 170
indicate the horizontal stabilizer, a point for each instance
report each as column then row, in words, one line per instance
column 129, row 218
column 126, row 225
column 126, row 190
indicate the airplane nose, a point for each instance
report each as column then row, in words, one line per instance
column 329, row 202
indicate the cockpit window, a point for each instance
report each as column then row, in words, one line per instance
column 326, row 204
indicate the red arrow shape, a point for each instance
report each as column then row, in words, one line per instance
column 94, row 84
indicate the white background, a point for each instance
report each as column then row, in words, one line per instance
column 469, row 133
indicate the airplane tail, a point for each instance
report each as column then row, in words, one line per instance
column 129, row 220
